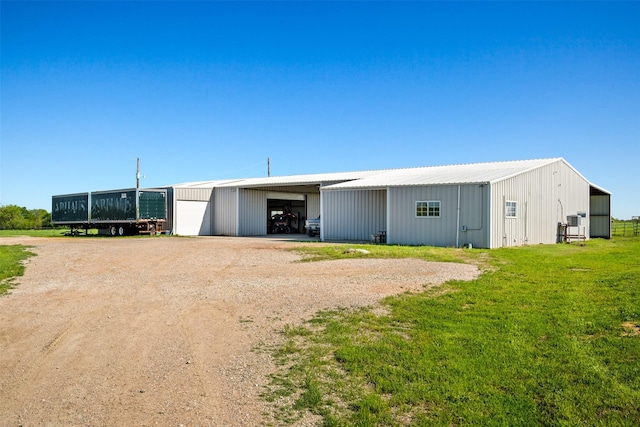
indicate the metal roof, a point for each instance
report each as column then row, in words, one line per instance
column 311, row 179
column 202, row 184
column 469, row 173
column 442, row 175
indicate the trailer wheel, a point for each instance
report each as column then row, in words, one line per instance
column 122, row 231
column 113, row 230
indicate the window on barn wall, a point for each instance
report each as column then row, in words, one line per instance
column 510, row 209
column 428, row 209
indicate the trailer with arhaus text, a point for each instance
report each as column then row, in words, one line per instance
column 114, row 212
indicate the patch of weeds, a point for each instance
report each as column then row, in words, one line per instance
column 289, row 347
column 295, row 331
column 311, row 397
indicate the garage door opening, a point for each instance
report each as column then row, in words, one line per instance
column 286, row 213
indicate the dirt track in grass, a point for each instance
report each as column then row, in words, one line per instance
column 163, row 331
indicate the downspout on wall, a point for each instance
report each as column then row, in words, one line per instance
column 504, row 221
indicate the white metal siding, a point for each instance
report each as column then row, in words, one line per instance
column 544, row 196
column 225, row 212
column 353, row 215
column 192, row 218
column 474, row 215
column 194, row 194
column 253, row 212
column 295, row 189
column 406, row 228
column 277, row 195
column 313, row 205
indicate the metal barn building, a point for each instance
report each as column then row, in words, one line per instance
column 485, row 205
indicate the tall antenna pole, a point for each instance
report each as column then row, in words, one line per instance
column 268, row 166
column 138, row 175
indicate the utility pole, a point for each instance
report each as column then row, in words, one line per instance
column 138, row 175
column 268, row 166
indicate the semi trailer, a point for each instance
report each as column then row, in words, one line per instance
column 115, row 212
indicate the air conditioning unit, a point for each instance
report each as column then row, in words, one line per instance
column 573, row 220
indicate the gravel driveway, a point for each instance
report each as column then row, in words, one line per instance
column 160, row 331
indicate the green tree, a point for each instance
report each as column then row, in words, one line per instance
column 13, row 217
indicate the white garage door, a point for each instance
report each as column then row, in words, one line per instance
column 192, row 218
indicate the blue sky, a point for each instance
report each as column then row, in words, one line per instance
column 209, row 90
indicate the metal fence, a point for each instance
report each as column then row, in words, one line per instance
column 625, row 228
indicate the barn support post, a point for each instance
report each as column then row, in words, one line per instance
column 389, row 238
column 458, row 220
column 322, row 215
column 237, row 190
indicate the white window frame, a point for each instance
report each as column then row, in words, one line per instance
column 429, row 205
column 509, row 207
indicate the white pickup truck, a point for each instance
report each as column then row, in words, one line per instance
column 312, row 227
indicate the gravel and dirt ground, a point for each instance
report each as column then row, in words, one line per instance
column 163, row 331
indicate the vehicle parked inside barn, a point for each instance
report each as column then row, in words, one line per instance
column 281, row 223
column 312, row 227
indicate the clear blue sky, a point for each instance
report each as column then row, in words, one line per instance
column 209, row 90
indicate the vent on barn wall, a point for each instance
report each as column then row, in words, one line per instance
column 573, row 220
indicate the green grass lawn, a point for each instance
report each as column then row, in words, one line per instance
column 11, row 257
column 324, row 252
column 548, row 335
column 34, row 233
